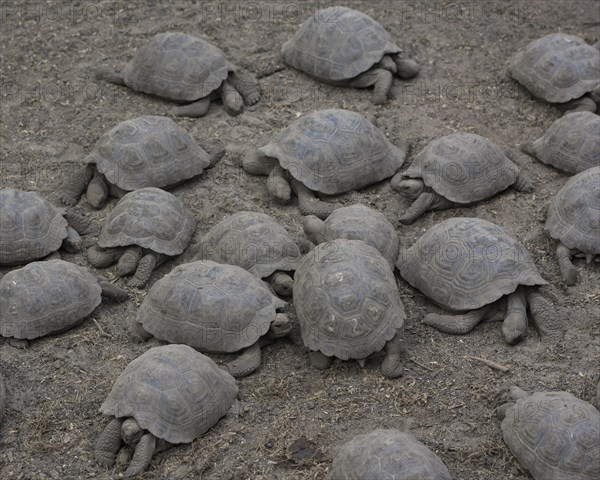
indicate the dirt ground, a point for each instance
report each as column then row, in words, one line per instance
column 52, row 113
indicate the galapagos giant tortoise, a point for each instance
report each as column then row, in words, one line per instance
column 554, row 435
column 215, row 308
column 561, row 69
column 474, row 267
column 329, row 151
column 44, row 298
column 148, row 151
column 574, row 220
column 457, row 170
column 186, row 69
column 169, row 395
column 345, row 47
column 145, row 228
column 348, row 305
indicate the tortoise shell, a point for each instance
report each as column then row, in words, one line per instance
column 335, row 151
column 46, row 297
column 555, row 436
column 346, row 299
column 253, row 241
column 338, row 43
column 387, row 454
column 148, row 151
column 177, row 66
column 464, row 168
column 466, row 263
column 151, row 218
column 173, row 391
column 557, row 67
column 209, row 306
column 30, row 227
column 572, row 143
column 574, row 214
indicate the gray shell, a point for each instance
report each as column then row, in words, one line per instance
column 574, row 214
column 30, row 227
column 46, row 297
column 253, row 241
column 464, row 168
column 466, row 263
column 557, row 68
column 572, row 143
column 555, row 436
column 387, row 454
column 209, row 306
column 338, row 43
column 148, row 151
column 150, row 218
column 359, row 222
column 177, row 66
column 173, row 391
column 346, row 299
column 335, row 151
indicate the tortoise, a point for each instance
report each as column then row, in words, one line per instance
column 387, row 454
column 356, row 222
column 574, row 220
column 328, row 151
column 560, row 69
column 256, row 242
column 348, row 305
column 214, row 307
column 475, row 268
column 148, row 151
column 145, row 228
column 44, row 298
column 457, row 170
column 31, row 228
column 345, row 47
column 169, row 395
column 554, row 435
column 571, row 144
column 186, row 69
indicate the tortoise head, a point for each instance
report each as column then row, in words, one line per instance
column 410, row 188
column 280, row 327
column 131, row 432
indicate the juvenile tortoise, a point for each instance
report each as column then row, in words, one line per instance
column 329, row 151
column 31, row 228
column 186, row 69
column 457, row 170
column 256, row 242
column 387, row 454
column 169, row 395
column 145, row 228
column 356, row 222
column 574, row 220
column 348, row 305
column 554, row 435
column 345, row 47
column 474, row 267
column 216, row 308
column 560, row 69
column 571, row 144
column 44, row 298
column 148, row 151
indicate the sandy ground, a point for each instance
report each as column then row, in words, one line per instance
column 52, row 113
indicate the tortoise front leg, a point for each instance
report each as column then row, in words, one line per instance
column 198, row 108
column 544, row 315
column 568, row 272
column 309, row 205
column 380, row 79
column 514, row 326
column 248, row 362
column 145, row 268
column 142, row 456
column 76, row 184
column 108, row 444
column 392, row 366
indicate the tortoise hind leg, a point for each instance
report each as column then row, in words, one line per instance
column 392, row 366
column 108, row 444
column 246, row 363
column 76, row 184
column 198, row 108
column 514, row 326
column 142, row 456
column 380, row 79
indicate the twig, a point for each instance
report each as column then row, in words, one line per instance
column 421, row 365
column 101, row 330
column 489, row 363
